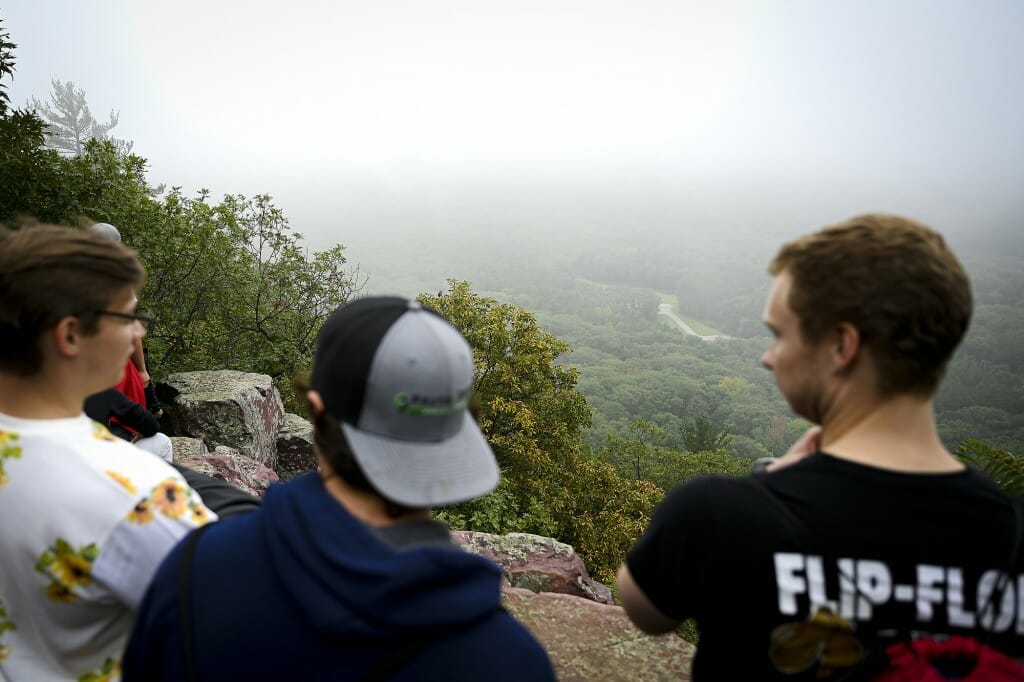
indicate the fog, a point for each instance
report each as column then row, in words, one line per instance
column 392, row 124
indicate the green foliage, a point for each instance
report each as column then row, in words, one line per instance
column 232, row 287
column 533, row 417
column 701, row 435
column 693, row 464
column 1004, row 468
column 633, row 457
column 600, row 514
column 499, row 513
column 6, row 66
column 26, row 169
column 666, row 467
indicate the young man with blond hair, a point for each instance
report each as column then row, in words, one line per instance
column 869, row 540
column 86, row 518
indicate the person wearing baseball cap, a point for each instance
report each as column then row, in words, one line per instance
column 341, row 573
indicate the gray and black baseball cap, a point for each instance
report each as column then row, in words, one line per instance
column 399, row 377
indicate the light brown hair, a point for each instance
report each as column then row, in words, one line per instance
column 48, row 273
column 893, row 279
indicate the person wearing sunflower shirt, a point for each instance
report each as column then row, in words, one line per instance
column 87, row 518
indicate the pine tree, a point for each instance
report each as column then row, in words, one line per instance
column 70, row 123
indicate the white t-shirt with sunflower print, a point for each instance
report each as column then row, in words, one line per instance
column 85, row 519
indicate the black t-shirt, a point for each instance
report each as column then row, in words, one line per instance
column 889, row 552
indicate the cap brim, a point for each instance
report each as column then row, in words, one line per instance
column 427, row 474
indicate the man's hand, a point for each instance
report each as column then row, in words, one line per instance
column 144, row 375
column 806, row 445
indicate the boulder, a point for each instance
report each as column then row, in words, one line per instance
column 294, row 447
column 537, row 563
column 590, row 641
column 226, row 464
column 188, row 448
column 235, row 409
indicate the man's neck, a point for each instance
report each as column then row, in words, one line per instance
column 896, row 433
column 38, row 397
column 366, row 506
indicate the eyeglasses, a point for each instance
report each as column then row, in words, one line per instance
column 142, row 318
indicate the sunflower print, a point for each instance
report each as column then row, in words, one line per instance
column 110, row 670
column 9, row 449
column 171, row 498
column 67, row 569
column 125, row 482
column 198, row 513
column 142, row 513
column 56, row 591
column 5, row 625
column 100, row 432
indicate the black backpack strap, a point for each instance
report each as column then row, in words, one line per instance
column 185, row 599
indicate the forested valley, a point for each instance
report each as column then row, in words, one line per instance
column 594, row 403
column 601, row 295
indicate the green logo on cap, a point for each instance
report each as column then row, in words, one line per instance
column 431, row 406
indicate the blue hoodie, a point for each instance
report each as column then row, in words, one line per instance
column 300, row 589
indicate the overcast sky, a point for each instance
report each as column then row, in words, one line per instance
column 371, row 117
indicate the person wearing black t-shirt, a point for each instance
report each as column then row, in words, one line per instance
column 869, row 538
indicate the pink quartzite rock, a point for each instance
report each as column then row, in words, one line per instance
column 294, row 447
column 224, row 463
column 236, row 409
column 589, row 641
column 537, row 563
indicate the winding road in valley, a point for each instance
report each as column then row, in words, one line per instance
column 666, row 310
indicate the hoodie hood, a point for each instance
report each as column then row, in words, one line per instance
column 349, row 581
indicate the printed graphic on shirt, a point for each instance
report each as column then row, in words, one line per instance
column 9, row 449
column 824, row 638
column 100, row 432
column 855, row 588
column 123, row 480
column 110, row 670
column 173, row 499
column 198, row 513
column 843, row 593
column 5, row 626
column 67, row 569
column 142, row 513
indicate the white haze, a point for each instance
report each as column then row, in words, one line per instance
column 395, row 121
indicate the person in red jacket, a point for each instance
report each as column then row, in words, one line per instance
column 136, row 384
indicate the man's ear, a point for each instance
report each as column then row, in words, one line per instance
column 67, row 336
column 847, row 346
column 316, row 401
